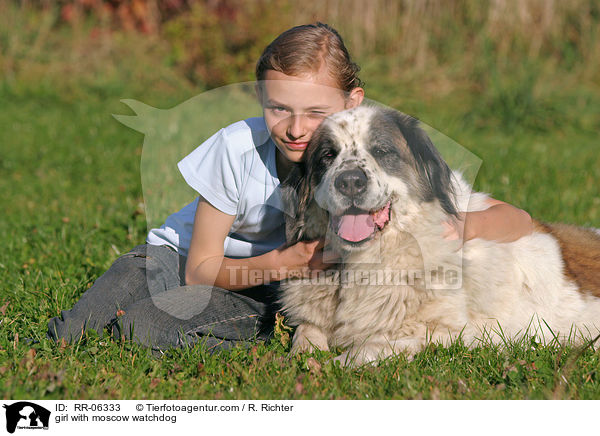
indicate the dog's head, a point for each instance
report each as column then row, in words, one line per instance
column 365, row 168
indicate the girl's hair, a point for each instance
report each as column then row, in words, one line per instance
column 304, row 48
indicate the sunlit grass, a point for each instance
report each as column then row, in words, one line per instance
column 72, row 200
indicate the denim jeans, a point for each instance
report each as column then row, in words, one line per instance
column 143, row 297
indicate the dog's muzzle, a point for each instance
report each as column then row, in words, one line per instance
column 351, row 183
column 357, row 225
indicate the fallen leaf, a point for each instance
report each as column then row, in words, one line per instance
column 313, row 365
column 29, row 358
column 282, row 330
column 462, row 386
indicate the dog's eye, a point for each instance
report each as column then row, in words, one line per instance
column 377, row 151
column 329, row 154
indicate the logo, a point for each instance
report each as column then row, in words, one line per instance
column 26, row 415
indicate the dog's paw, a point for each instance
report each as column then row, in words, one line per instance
column 344, row 360
column 352, row 359
column 407, row 347
column 309, row 338
column 302, row 346
column 373, row 353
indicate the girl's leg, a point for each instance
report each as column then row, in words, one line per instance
column 189, row 314
column 144, row 271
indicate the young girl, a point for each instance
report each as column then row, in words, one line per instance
column 211, row 271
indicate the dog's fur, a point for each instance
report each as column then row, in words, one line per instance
column 546, row 284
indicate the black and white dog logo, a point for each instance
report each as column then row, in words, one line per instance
column 26, row 415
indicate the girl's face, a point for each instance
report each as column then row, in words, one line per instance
column 294, row 106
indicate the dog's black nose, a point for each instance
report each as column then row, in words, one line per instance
column 351, row 182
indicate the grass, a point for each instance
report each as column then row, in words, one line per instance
column 72, row 204
column 72, row 201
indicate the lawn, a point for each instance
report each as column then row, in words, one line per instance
column 72, row 196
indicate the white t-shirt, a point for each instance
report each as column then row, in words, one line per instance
column 235, row 171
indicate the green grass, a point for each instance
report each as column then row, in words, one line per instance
column 72, row 195
column 72, row 201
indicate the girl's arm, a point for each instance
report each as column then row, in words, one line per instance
column 501, row 222
column 206, row 263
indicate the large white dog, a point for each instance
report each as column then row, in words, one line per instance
column 374, row 185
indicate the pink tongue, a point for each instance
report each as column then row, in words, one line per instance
column 383, row 216
column 355, row 228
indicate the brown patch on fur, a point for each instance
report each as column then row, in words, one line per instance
column 580, row 249
column 540, row 227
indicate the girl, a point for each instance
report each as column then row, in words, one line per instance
column 207, row 273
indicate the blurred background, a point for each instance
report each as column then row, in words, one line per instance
column 512, row 56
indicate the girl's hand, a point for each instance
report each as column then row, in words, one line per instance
column 501, row 222
column 453, row 229
column 300, row 259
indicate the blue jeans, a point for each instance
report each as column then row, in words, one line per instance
column 143, row 297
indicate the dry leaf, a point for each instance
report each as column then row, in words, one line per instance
column 29, row 358
column 313, row 365
column 282, row 330
column 462, row 386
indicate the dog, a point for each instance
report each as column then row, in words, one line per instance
column 375, row 187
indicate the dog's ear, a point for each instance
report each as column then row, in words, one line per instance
column 294, row 194
column 298, row 186
column 429, row 163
